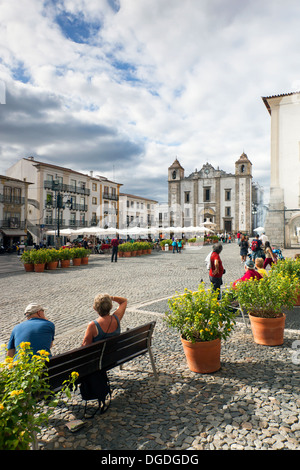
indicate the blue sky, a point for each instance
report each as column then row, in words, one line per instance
column 124, row 87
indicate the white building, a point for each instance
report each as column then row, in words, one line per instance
column 137, row 211
column 213, row 196
column 283, row 219
column 13, row 210
column 61, row 198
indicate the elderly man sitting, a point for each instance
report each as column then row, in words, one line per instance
column 250, row 273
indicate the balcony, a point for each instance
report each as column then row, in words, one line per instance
column 52, row 223
column 78, row 223
column 110, row 211
column 12, row 199
column 111, row 197
column 74, row 207
column 66, row 188
column 12, row 223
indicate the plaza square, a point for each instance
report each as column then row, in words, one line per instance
column 251, row 403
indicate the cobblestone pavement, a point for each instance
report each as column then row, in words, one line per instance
column 251, row 403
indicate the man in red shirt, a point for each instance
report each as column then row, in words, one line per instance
column 216, row 267
column 114, row 244
column 250, row 273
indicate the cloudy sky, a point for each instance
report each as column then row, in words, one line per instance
column 123, row 87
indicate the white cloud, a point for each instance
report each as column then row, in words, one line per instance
column 98, row 84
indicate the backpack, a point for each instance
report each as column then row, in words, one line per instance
column 254, row 245
column 207, row 260
column 96, row 386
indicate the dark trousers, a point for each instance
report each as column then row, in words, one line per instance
column 216, row 283
column 114, row 254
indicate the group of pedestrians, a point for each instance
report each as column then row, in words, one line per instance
column 259, row 248
column 176, row 245
column 255, row 265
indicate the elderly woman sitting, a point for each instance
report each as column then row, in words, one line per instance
column 250, row 273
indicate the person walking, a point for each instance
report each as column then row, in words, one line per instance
column 256, row 248
column 216, row 268
column 115, row 245
column 244, row 245
column 270, row 258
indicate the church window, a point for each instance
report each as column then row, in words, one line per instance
column 206, row 194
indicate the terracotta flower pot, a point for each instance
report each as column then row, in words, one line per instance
column 52, row 265
column 120, row 254
column 268, row 331
column 76, row 261
column 64, row 263
column 85, row 260
column 139, row 252
column 39, row 267
column 203, row 356
column 28, row 267
column 133, row 253
column 127, row 254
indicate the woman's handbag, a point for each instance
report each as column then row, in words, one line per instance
column 96, row 387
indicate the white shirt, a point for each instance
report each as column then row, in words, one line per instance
column 263, row 238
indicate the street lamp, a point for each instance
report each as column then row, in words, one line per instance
column 59, row 202
column 254, row 212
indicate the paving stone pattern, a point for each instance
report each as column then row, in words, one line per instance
column 252, row 402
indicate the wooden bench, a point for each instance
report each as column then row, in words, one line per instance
column 102, row 355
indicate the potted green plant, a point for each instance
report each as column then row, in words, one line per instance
column 134, row 247
column 53, row 259
column 203, row 320
column 144, row 246
column 264, row 300
column 289, row 267
column 23, row 412
column 27, row 261
column 85, row 255
column 39, row 258
column 149, row 247
column 121, row 250
column 139, row 248
column 76, row 255
column 126, row 248
column 65, row 256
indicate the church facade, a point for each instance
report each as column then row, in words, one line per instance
column 213, row 196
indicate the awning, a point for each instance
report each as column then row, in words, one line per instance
column 13, row 232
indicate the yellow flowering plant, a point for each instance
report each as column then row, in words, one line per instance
column 267, row 297
column 26, row 400
column 287, row 267
column 201, row 315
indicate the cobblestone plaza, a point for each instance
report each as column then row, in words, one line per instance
column 251, row 403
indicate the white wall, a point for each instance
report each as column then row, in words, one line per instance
column 289, row 151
